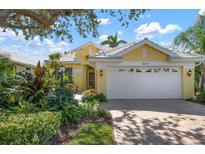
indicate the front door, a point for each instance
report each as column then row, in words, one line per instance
column 91, row 78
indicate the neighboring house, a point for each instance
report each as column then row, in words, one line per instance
column 135, row 70
column 19, row 63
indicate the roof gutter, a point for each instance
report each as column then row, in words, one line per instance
column 21, row 63
column 199, row 59
column 105, row 59
column 70, row 62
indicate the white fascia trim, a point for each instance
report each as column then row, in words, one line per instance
column 104, row 60
column 186, row 59
column 70, row 62
column 88, row 43
column 24, row 64
column 189, row 65
column 150, row 43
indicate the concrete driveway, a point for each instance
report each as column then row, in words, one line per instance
column 157, row 121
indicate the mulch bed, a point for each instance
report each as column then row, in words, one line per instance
column 67, row 132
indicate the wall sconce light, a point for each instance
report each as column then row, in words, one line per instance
column 189, row 73
column 101, row 73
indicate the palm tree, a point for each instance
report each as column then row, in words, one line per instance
column 193, row 41
column 54, row 63
column 113, row 41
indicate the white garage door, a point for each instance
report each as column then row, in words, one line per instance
column 143, row 82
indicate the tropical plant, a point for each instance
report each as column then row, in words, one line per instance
column 5, row 68
column 193, row 41
column 36, row 87
column 53, row 63
column 9, row 91
column 113, row 41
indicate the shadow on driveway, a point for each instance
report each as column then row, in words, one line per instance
column 157, row 121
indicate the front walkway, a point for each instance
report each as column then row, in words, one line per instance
column 157, row 121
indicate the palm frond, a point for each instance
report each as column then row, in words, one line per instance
column 106, row 42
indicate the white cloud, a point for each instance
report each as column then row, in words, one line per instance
column 166, row 44
column 34, row 49
column 103, row 37
column 104, row 21
column 153, row 29
column 202, row 12
column 119, row 32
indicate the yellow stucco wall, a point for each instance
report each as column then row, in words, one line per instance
column 81, row 79
column 187, row 84
column 84, row 52
column 152, row 54
column 101, row 81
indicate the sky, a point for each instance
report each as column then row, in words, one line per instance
column 160, row 26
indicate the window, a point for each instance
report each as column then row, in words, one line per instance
column 156, row 70
column 121, row 70
column 173, row 70
column 69, row 72
column 138, row 70
column 28, row 68
column 166, row 69
column 131, row 70
column 149, row 70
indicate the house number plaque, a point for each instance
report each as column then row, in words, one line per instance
column 145, row 63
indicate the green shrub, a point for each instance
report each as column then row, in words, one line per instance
column 91, row 104
column 71, row 113
column 101, row 113
column 56, row 101
column 99, row 97
column 36, row 128
column 24, row 107
column 201, row 96
column 87, row 113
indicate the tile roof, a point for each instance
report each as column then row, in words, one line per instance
column 69, row 57
column 116, row 53
column 17, row 58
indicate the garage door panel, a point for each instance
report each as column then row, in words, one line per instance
column 125, row 84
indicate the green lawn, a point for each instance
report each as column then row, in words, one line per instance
column 93, row 134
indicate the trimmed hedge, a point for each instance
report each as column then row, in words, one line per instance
column 36, row 128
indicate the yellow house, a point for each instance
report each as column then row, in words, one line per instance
column 18, row 63
column 139, row 70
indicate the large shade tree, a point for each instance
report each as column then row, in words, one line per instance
column 193, row 41
column 113, row 41
column 60, row 23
